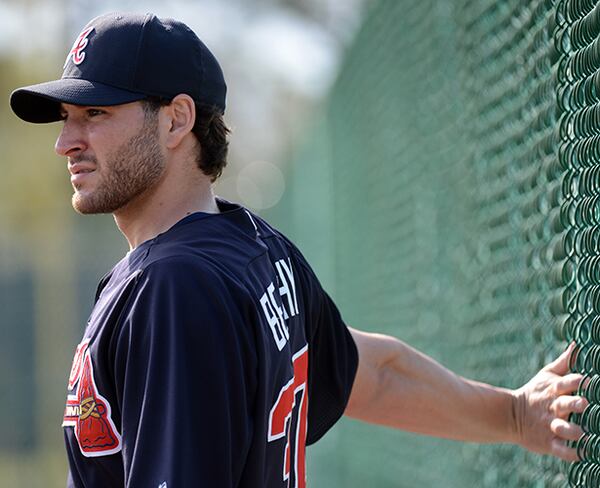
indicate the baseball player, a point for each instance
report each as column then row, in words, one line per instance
column 212, row 355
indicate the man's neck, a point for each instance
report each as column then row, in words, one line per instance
column 155, row 212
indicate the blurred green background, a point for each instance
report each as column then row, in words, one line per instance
column 428, row 157
column 447, row 192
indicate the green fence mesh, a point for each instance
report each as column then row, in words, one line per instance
column 449, row 194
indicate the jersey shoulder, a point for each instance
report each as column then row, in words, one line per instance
column 274, row 238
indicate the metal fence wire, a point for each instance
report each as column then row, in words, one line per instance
column 457, row 163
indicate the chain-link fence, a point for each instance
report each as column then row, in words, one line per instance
column 449, row 194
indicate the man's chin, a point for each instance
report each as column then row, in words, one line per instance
column 86, row 205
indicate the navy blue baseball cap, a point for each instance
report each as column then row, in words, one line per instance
column 123, row 57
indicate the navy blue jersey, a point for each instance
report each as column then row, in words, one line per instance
column 211, row 358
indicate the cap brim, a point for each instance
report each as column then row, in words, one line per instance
column 41, row 103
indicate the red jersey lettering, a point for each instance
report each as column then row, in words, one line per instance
column 282, row 412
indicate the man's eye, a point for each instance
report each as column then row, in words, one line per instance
column 93, row 112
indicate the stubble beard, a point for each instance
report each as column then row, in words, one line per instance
column 130, row 170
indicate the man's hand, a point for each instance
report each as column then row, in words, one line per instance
column 543, row 406
column 400, row 387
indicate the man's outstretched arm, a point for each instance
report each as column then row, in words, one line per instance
column 400, row 387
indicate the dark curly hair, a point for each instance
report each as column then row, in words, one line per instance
column 210, row 131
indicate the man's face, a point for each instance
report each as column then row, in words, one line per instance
column 113, row 155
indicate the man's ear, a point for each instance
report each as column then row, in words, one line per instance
column 181, row 113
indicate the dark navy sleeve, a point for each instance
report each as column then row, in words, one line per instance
column 184, row 366
column 333, row 357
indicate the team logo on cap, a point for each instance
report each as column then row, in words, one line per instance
column 88, row 411
column 76, row 53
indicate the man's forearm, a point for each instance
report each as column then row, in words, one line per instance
column 400, row 387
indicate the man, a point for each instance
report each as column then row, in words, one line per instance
column 212, row 355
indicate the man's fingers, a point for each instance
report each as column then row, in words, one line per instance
column 566, row 430
column 568, row 383
column 559, row 449
column 561, row 364
column 564, row 405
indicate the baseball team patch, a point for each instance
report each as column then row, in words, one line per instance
column 88, row 411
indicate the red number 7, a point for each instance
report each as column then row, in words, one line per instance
column 282, row 412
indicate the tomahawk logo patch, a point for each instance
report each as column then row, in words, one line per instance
column 77, row 51
column 88, row 411
column 77, row 364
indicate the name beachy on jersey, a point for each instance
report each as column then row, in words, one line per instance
column 276, row 314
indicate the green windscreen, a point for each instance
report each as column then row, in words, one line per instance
column 449, row 194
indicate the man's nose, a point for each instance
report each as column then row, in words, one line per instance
column 70, row 141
